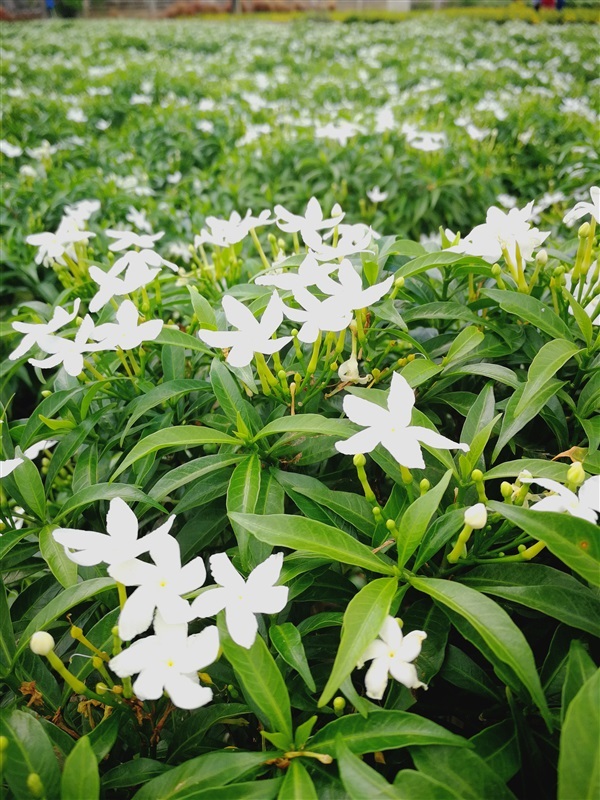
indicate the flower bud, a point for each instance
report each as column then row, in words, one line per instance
column 506, row 489
column 399, row 282
column 41, row 643
column 377, row 513
column 359, row 460
column 35, row 785
column 339, row 704
column 476, row 516
column 477, row 475
column 524, row 476
column 281, row 375
column 576, row 474
column 390, row 525
column 541, row 258
column 295, row 331
column 496, row 270
column 46, row 393
column 336, row 211
column 424, row 486
column 584, row 230
column 101, row 688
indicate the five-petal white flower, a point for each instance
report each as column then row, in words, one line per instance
column 349, row 292
column 392, row 654
column 53, row 246
column 126, row 333
column 33, row 331
column 308, row 274
column 581, row 209
column 318, row 315
column 241, row 599
column 308, row 224
column 125, row 239
column 585, row 504
column 169, row 661
column 392, row 428
column 68, row 352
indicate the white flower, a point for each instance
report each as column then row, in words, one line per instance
column 224, row 232
column 582, row 208
column 503, row 230
column 348, row 372
column 125, row 239
column 352, row 239
column 349, row 292
column 585, row 504
column 141, row 266
column 66, row 352
column 306, row 225
column 138, row 219
column 242, row 600
column 392, row 654
column 119, row 544
column 41, row 643
column 10, row 150
column 252, row 336
column 476, row 516
column 391, row 428
column 160, row 586
column 53, row 246
column 35, row 449
column 126, row 333
column 169, row 661
column 375, row 195
column 9, row 465
column 82, row 211
column 318, row 315
column 33, row 331
column 308, row 274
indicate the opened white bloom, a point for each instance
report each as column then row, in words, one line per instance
column 10, row 150
column 375, row 195
column 126, row 333
column 53, row 246
column 392, row 428
column 169, row 661
column 349, row 292
column 224, row 232
column 307, row 225
column 68, row 352
column 119, row 544
column 585, row 504
column 318, row 315
column 126, row 239
column 34, row 331
column 509, row 230
column 82, row 211
column 252, row 336
column 392, row 654
column 35, row 449
column 308, row 274
column 160, row 586
column 352, row 239
column 138, row 219
column 241, row 599
column 582, row 208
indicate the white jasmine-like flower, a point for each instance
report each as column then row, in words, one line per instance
column 33, row 330
column 225, row 232
column 392, row 428
column 119, row 544
column 308, row 274
column 9, row 465
column 169, row 660
column 111, row 285
column 125, row 239
column 159, row 586
column 507, row 200
column 10, row 150
column 392, row 654
column 500, row 230
column 585, row 504
column 68, row 352
column 352, row 239
column 241, row 599
column 318, row 315
column 349, row 292
column 53, row 246
column 82, row 211
column 252, row 336
column 41, row 643
column 138, row 219
column 35, row 449
column 126, row 333
column 476, row 516
column 582, row 208
column 307, row 225
column 348, row 372
column 375, row 195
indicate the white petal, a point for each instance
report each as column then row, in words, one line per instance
column 137, row 614
column 377, row 649
column 241, row 624
column 361, row 442
column 553, row 486
column 405, row 673
column 186, row 692
column 589, row 493
column 149, row 684
column 121, row 522
column 435, row 439
column 203, row 648
column 134, row 658
column 272, row 317
column 225, row 573
column 553, row 503
column 405, row 449
column 376, row 678
column 267, row 573
column 132, row 572
column 401, row 400
column 584, row 513
column 241, row 355
column 411, row 645
column 10, row 465
column 222, row 339
column 363, row 412
column 391, row 633
column 165, row 553
column 269, row 600
column 192, row 576
column 375, row 293
column 174, row 609
column 238, row 315
column 209, row 603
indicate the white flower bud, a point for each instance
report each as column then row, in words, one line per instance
column 41, row 643
column 476, row 516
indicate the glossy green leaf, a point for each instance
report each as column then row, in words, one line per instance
column 230, row 398
column 105, row 491
column 495, row 627
column 242, row 496
column 307, row 424
column 133, row 773
column 463, row 770
column 579, row 757
column 537, row 466
column 546, row 363
column 288, row 643
column 63, row 569
column 28, row 751
column 191, row 734
column 580, row 667
column 297, row 533
column 416, row 519
column 360, row 780
column 7, row 636
column 297, row 784
column 202, row 309
column 177, row 338
column 80, row 776
column 460, row 670
column 249, row 790
column 170, row 390
column 31, row 488
column 466, row 341
column 571, row 539
column 528, row 308
column 417, row 786
column 47, row 408
column 498, row 746
column 191, row 472
column 85, row 473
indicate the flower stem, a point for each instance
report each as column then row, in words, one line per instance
column 258, row 246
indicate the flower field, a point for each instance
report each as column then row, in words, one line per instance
column 299, row 410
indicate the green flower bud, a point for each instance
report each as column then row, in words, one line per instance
column 477, row 475
column 35, row 785
column 584, row 230
column 399, row 283
column 541, row 258
column 359, row 460
column 496, row 270
column 41, row 643
column 576, row 474
column 390, row 524
column 339, row 704
column 506, row 489
column 46, row 393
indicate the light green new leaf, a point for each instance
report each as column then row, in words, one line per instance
column 297, row 784
column 80, row 778
column 417, row 517
column 177, row 338
column 230, row 398
column 537, row 466
column 579, row 756
column 360, row 780
column 178, row 438
column 495, row 627
column 419, row 371
column 29, row 750
column 466, row 341
column 202, row 309
column 61, row 566
column 287, row 641
column 573, row 540
column 544, row 366
column 298, row 533
column 363, row 619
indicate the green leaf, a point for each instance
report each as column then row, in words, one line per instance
column 297, row 533
column 425, row 615
column 580, row 668
column 427, row 261
column 260, row 680
column 528, row 308
column 61, row 566
column 363, row 619
column 513, row 422
column 183, row 437
column 202, row 309
column 419, row 371
column 61, row 604
column 133, row 773
column 297, row 784
column 581, row 317
column 460, row 670
column 417, row 517
column 70, row 444
column 252, row 790
column 496, row 372
column 382, row 730
column 103, row 737
column 192, row 471
column 47, row 408
column 177, row 338
column 85, row 473
column 193, row 730
column 537, row 466
column 494, row 626
column 573, row 540
column 230, row 398
column 466, row 341
column 307, row 423
column 359, row 779
column 204, row 772
column 480, row 414
column 170, row 390
column 542, row 588
column 288, row 643
column 80, row 776
column 7, row 636
column 544, row 366
column 242, row 494
column 463, row 770
column 31, row 488
column 579, row 757
column 498, row 746
column 418, row 786
column 29, row 750
column 106, row 491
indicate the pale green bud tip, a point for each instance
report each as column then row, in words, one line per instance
column 425, row 485
column 359, row 460
column 399, row 282
column 46, row 393
column 506, row 489
column 496, row 270
column 476, row 516
column 576, row 474
column 390, row 524
column 35, row 785
column 78, row 321
column 281, row 375
column 477, row 475
column 542, row 258
column 584, row 230
column 376, row 512
column 339, row 704
column 336, row 211
column 295, row 332
column 41, row 643
column 101, row 688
